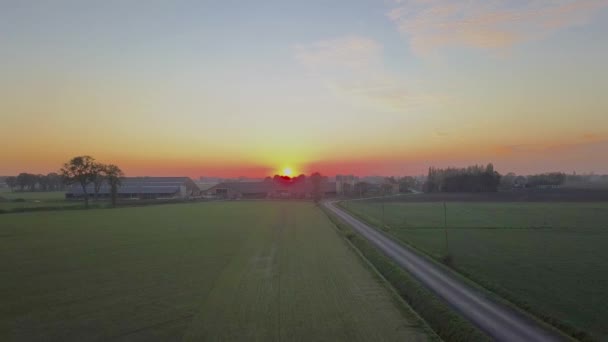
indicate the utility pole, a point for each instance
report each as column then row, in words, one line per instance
column 383, row 224
column 445, row 228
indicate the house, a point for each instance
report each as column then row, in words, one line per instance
column 142, row 188
column 268, row 189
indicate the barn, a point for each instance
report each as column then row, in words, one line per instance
column 142, row 188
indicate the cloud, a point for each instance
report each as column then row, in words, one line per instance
column 583, row 147
column 349, row 52
column 591, row 136
column 353, row 67
column 486, row 24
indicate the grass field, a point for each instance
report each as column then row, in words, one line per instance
column 552, row 256
column 262, row 271
column 35, row 200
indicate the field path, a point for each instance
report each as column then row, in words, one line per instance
column 498, row 321
column 295, row 279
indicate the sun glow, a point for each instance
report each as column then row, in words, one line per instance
column 287, row 172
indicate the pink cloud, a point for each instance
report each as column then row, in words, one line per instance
column 434, row 24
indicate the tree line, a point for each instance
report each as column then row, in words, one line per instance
column 316, row 179
column 33, row 182
column 82, row 170
column 475, row 178
column 549, row 179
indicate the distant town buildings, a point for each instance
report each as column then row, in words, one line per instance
column 269, row 189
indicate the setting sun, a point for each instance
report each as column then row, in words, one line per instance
column 287, row 172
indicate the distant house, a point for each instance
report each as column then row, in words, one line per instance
column 143, row 188
column 268, row 189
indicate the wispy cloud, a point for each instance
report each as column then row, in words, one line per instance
column 348, row 52
column 353, row 67
column 488, row 24
column 543, row 149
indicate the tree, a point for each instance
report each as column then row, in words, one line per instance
column 113, row 174
column 475, row 178
column 80, row 170
column 507, row 181
column 316, row 180
column 43, row 181
column 361, row 188
column 54, row 181
column 386, row 188
column 11, row 182
column 98, row 177
column 27, row 181
column 406, row 183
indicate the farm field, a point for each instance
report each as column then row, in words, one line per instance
column 34, row 200
column 214, row 271
column 552, row 256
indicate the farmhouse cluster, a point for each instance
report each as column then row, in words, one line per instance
column 145, row 188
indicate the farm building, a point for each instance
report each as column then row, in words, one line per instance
column 268, row 189
column 142, row 188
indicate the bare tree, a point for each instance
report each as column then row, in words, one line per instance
column 80, row 170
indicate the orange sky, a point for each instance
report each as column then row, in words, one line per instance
column 371, row 88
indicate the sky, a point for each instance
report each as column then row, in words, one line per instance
column 248, row 88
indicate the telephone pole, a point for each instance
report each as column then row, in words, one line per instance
column 445, row 228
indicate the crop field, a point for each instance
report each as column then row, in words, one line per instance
column 245, row 271
column 17, row 200
column 552, row 256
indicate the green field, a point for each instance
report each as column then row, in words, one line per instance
column 34, row 200
column 245, row 271
column 552, row 256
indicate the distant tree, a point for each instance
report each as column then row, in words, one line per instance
column 27, row 181
column 406, row 183
column 316, row 180
column 22, row 181
column 546, row 179
column 386, row 188
column 508, row 181
column 80, row 170
column 301, row 178
column 361, row 188
column 113, row 174
column 11, row 182
column 43, row 182
column 54, row 181
column 476, row 178
column 99, row 177
column 433, row 181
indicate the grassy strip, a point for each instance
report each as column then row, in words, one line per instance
column 439, row 316
column 402, row 304
column 106, row 205
column 497, row 292
column 47, row 208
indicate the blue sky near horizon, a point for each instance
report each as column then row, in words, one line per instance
column 235, row 87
